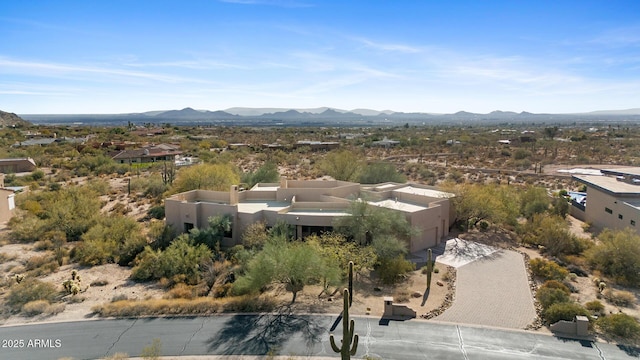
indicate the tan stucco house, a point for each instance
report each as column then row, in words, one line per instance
column 612, row 200
column 311, row 206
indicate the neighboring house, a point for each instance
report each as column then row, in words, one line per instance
column 385, row 143
column 49, row 141
column 317, row 145
column 7, row 204
column 311, row 207
column 612, row 199
column 12, row 166
column 146, row 154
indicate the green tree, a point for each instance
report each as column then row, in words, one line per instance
column 267, row 173
column 342, row 165
column 206, row 177
column 474, row 203
column 534, row 200
column 552, row 232
column 292, row 264
column 617, row 254
column 377, row 173
column 366, row 223
column 339, row 250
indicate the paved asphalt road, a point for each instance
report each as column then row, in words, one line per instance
column 289, row 335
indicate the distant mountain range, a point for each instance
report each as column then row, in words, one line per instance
column 324, row 116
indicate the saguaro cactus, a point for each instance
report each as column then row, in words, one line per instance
column 350, row 283
column 429, row 268
column 348, row 337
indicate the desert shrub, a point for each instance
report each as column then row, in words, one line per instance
column 180, row 258
column 550, row 296
column 563, row 311
column 181, row 291
column 555, row 284
column 621, row 325
column 617, row 255
column 155, row 188
column 572, row 288
column 36, row 307
column 4, row 257
column 29, row 290
column 552, row 233
column 114, row 239
column 391, row 270
column 100, row 282
column 402, row 295
column 41, row 265
column 152, row 352
column 119, row 297
column 620, row 298
column 129, row 308
column 547, row 270
column 156, row 212
column 594, row 306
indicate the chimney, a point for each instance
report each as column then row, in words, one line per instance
column 233, row 195
column 283, row 182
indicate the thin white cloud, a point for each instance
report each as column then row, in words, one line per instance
column 55, row 69
column 401, row 48
column 188, row 64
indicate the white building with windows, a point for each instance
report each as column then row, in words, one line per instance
column 311, row 206
column 612, row 200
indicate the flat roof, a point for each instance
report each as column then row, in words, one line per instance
column 609, row 184
column 581, row 171
column 318, row 212
column 398, row 205
column 633, row 204
column 264, row 188
column 424, row 192
column 625, row 170
column 252, row 207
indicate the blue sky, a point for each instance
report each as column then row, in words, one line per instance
column 428, row 56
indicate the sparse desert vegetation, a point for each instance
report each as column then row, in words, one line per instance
column 84, row 211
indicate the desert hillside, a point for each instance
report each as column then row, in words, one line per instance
column 11, row 119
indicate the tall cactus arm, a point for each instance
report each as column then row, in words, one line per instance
column 354, row 348
column 333, row 344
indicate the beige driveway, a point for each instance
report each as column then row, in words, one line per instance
column 492, row 287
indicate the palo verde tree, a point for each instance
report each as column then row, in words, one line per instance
column 267, row 173
column 342, row 165
column 474, row 203
column 379, row 172
column 206, row 177
column 385, row 230
column 289, row 263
